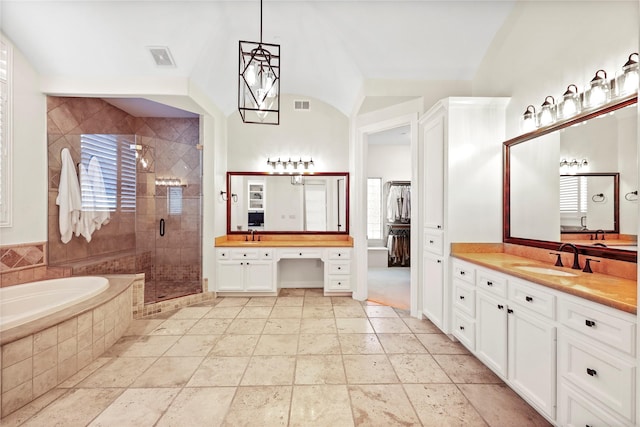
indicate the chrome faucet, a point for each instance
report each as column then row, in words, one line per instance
column 576, row 262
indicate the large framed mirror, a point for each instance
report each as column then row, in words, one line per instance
column 288, row 203
column 576, row 181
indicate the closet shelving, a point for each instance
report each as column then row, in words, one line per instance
column 398, row 222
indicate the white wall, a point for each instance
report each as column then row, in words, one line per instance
column 390, row 162
column 322, row 133
column 546, row 45
column 29, row 157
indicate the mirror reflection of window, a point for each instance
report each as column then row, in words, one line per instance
column 315, row 202
column 374, row 209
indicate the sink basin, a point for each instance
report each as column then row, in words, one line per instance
column 545, row 270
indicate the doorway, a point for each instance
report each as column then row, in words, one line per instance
column 388, row 217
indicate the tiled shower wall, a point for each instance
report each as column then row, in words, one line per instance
column 170, row 149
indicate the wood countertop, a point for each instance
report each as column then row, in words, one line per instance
column 608, row 290
column 285, row 240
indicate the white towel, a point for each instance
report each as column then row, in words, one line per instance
column 101, row 214
column 68, row 198
column 86, row 226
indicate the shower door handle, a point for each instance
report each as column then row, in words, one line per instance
column 161, row 226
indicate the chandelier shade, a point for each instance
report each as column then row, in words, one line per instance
column 259, row 81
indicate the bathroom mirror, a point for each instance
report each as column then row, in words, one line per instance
column 288, row 203
column 598, row 143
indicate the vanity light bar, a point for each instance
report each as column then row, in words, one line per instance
column 600, row 91
column 300, row 166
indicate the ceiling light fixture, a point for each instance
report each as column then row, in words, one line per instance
column 259, row 81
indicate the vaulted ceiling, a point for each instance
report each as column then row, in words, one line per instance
column 329, row 47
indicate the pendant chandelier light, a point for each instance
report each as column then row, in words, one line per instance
column 259, row 81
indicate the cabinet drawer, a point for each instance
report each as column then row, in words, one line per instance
column 464, row 298
column 464, row 271
column 223, row 254
column 244, row 254
column 465, row 330
column 266, row 253
column 599, row 323
column 533, row 298
column 434, row 241
column 340, row 267
column 300, row 253
column 339, row 254
column 608, row 379
column 491, row 282
column 337, row 283
column 576, row 410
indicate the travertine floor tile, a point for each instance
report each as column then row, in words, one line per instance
column 500, row 406
column 193, row 345
column 348, row 311
column 417, row 368
column 21, row 415
column 318, row 344
column 76, row 407
column 421, row 326
column 466, row 369
column 266, row 406
column 443, row 405
column 254, row 312
column 291, row 292
column 360, row 344
column 345, row 301
column 119, row 372
column 318, row 301
column 269, row 370
column 210, row 326
column 276, row 345
column 441, row 344
column 219, row 371
column 401, row 343
column 84, row 372
column 168, row 372
column 282, row 326
column 246, row 326
column 232, row 302
column 235, row 345
column 292, row 301
column 320, row 369
column 369, row 369
column 380, row 311
column 354, row 326
column 381, row 405
column 190, row 313
column 317, row 311
column 261, row 302
column 383, row 325
column 198, row 407
column 174, row 327
column 314, row 292
column 146, row 346
column 318, row 326
column 223, row 312
column 321, row 406
column 136, row 407
column 142, row 326
column 285, row 312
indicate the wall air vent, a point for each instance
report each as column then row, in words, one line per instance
column 162, row 56
column 300, row 105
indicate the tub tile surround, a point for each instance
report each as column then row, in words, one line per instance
column 27, row 263
column 38, row 356
column 325, row 384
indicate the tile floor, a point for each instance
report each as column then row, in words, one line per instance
column 299, row 359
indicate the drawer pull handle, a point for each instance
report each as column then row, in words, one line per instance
column 528, row 298
column 462, row 328
column 462, row 273
column 590, row 323
column 431, row 242
column 592, row 372
column 501, row 307
column 439, row 261
column 489, row 283
column 339, row 254
column 339, row 283
column 461, row 296
column 242, row 263
column 300, row 253
column 509, row 311
column 266, row 254
column 339, row 268
column 244, row 255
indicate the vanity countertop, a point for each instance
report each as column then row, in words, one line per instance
column 285, row 240
column 608, row 290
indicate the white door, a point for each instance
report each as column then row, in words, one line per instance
column 434, row 173
column 432, row 289
column 230, row 276
column 491, row 332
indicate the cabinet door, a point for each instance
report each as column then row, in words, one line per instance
column 230, row 276
column 432, row 289
column 433, row 140
column 532, row 361
column 258, row 275
column 491, row 332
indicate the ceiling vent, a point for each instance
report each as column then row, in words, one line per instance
column 162, row 56
column 301, row 105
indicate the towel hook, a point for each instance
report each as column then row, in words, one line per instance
column 631, row 196
column 598, row 198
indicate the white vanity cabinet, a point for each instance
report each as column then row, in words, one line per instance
column 245, row 270
column 337, row 270
column 460, row 164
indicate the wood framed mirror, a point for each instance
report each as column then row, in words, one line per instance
column 602, row 142
column 288, row 203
